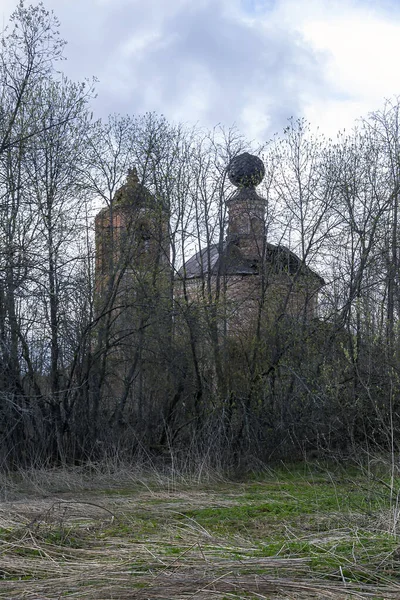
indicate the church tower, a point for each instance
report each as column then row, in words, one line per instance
column 133, row 277
column 246, row 209
column 132, row 241
column 132, row 295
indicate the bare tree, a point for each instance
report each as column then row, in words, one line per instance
column 27, row 57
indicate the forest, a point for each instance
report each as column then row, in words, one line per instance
column 187, row 391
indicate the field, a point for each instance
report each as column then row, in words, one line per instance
column 292, row 532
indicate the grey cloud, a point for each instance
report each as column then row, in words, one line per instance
column 242, row 62
column 206, row 66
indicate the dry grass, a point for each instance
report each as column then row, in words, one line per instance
column 140, row 545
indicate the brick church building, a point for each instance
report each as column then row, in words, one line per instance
column 247, row 276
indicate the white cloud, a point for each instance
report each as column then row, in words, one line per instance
column 361, row 42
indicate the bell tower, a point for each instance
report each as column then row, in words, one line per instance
column 132, row 238
column 132, row 299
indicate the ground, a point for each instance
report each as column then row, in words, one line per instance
column 292, row 532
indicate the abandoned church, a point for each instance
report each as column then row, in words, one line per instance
column 245, row 275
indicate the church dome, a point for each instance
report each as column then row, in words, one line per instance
column 246, row 170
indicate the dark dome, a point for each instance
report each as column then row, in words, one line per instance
column 246, row 170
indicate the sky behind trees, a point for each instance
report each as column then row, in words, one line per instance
column 254, row 63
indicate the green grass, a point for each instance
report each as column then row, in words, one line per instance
column 320, row 527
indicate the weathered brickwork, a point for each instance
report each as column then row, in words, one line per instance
column 243, row 299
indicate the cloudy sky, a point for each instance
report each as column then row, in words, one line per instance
column 254, row 63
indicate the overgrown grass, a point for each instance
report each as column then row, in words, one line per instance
column 295, row 532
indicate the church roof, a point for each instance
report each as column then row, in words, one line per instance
column 134, row 195
column 231, row 261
